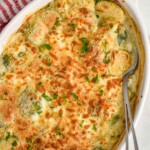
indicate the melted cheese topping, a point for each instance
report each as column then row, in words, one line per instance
column 61, row 78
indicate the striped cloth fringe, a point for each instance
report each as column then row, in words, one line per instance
column 9, row 8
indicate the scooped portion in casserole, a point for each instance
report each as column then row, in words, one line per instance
column 61, row 77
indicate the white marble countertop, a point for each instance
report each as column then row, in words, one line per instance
column 144, row 8
column 143, row 127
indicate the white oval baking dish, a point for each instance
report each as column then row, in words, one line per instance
column 133, row 11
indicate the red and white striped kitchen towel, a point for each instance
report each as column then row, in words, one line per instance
column 9, row 8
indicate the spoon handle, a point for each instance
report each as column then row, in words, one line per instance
column 128, row 114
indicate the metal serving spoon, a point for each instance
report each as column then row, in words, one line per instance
column 127, row 108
